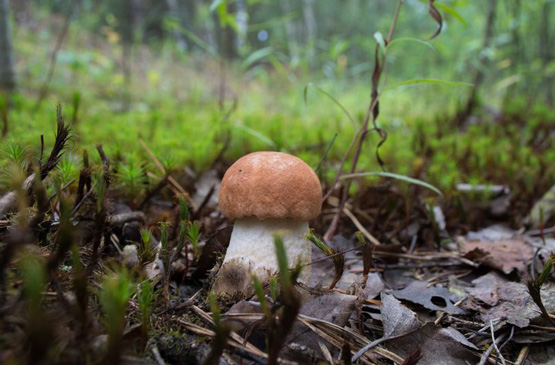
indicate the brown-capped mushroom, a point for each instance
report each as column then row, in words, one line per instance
column 267, row 193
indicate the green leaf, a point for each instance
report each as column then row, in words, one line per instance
column 381, row 41
column 215, row 4
column 221, row 8
column 256, row 56
column 426, row 81
column 258, row 135
column 261, row 297
column 230, row 20
column 199, row 42
column 399, row 177
column 455, row 14
column 410, row 39
column 322, row 91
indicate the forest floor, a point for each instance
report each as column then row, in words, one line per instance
column 85, row 276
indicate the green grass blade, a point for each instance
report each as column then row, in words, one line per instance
column 256, row 56
column 261, row 297
column 399, row 177
column 410, row 39
column 284, row 274
column 258, row 135
column 426, row 81
column 336, row 102
column 323, row 158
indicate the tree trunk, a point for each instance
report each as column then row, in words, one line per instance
column 546, row 49
column 188, row 16
column 22, row 12
column 310, row 26
column 7, row 70
column 175, row 10
column 241, row 18
column 226, row 35
column 480, row 72
column 131, row 17
column 291, row 32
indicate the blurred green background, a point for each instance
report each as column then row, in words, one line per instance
column 194, row 78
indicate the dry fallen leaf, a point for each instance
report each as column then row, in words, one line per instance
column 507, row 300
column 444, row 346
column 504, row 255
column 435, row 297
column 397, row 319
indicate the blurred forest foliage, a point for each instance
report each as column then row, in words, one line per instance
column 331, row 39
column 183, row 74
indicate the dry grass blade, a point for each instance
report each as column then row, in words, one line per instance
column 235, row 340
column 242, row 345
column 346, row 353
column 335, row 203
column 428, row 257
column 335, row 334
column 221, row 335
column 326, row 352
column 330, row 332
column 360, row 227
column 172, row 181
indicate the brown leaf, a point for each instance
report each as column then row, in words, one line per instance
column 507, row 300
column 435, row 297
column 436, row 15
column 438, row 345
column 504, row 255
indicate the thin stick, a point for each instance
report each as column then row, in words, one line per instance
column 361, row 228
column 172, row 181
column 522, row 355
column 495, row 343
column 371, row 113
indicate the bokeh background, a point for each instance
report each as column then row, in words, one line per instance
column 196, row 80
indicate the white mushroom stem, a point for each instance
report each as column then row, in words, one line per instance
column 252, row 251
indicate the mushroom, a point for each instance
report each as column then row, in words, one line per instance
column 268, row 194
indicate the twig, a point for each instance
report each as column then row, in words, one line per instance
column 505, row 343
column 486, row 355
column 372, row 344
column 495, row 343
column 371, row 114
column 198, row 211
column 438, row 320
column 361, row 228
column 157, row 356
column 172, row 181
column 155, row 190
column 522, row 355
column 235, row 340
column 482, row 330
column 67, row 185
